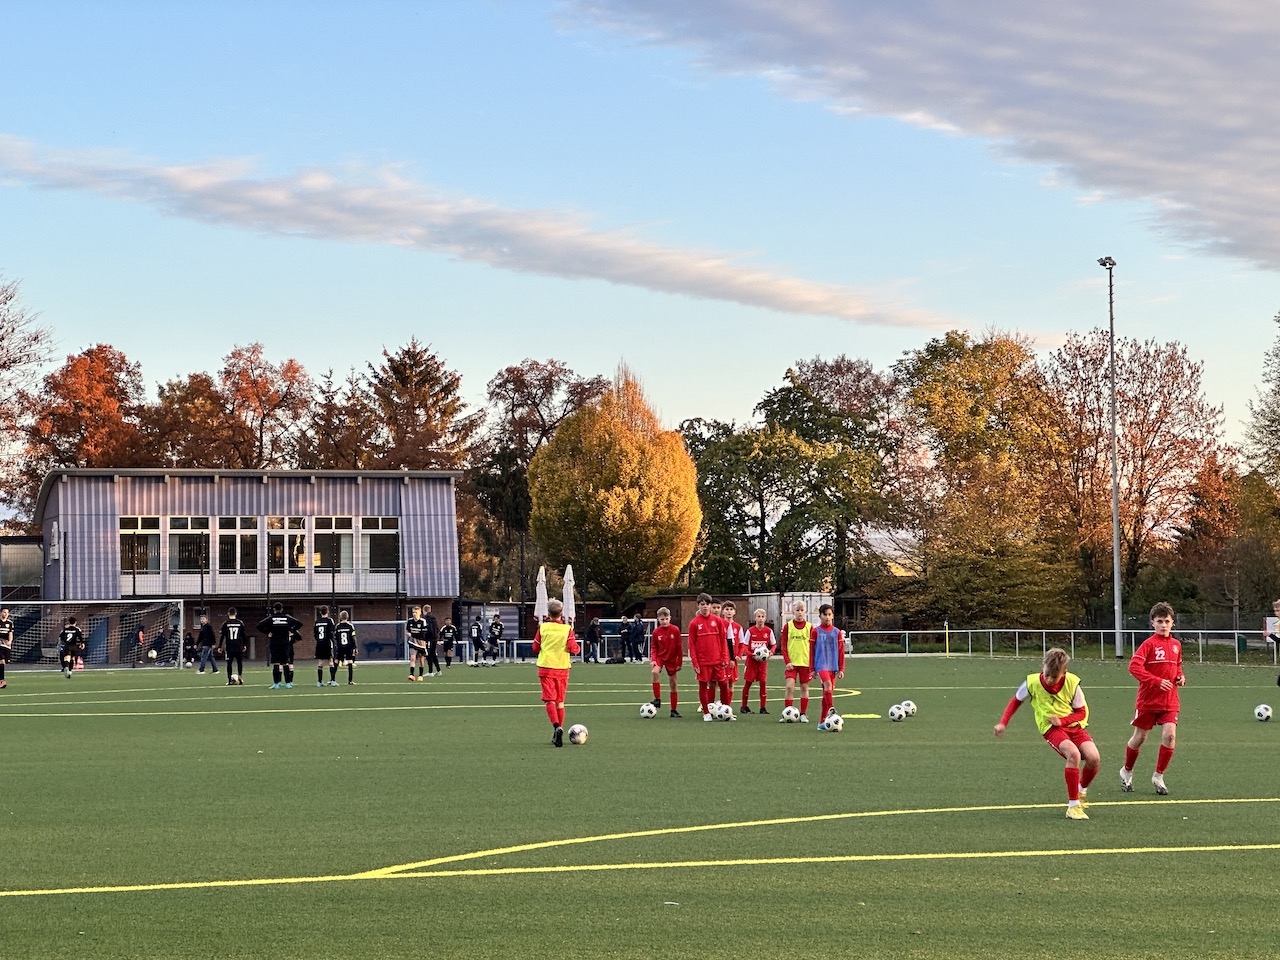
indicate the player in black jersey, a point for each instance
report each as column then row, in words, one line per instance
column 323, row 632
column 6, row 643
column 70, row 645
column 345, row 646
column 416, row 630
column 448, row 637
column 231, row 644
column 280, row 629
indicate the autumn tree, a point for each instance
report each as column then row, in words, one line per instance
column 1167, row 432
column 84, row 414
column 337, row 427
column 983, row 540
column 270, row 399
column 615, row 494
column 193, row 424
column 1262, row 429
column 526, row 403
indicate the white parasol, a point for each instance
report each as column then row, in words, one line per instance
column 540, row 596
column 570, row 610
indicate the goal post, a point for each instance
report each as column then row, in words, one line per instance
column 110, row 629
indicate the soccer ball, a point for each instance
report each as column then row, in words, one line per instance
column 1262, row 711
column 834, row 723
column 472, row 663
column 152, row 654
column 897, row 713
column 910, row 707
column 648, row 711
column 724, row 712
column 790, row 714
column 578, row 733
column 760, row 654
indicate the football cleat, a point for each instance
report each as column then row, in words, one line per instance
column 275, row 686
column 744, row 709
column 333, row 683
column 707, row 718
column 1076, row 812
column 676, row 714
column 557, row 737
column 657, row 702
column 1084, row 796
column 1126, row 780
column 804, row 718
column 1157, row 781
column 764, row 711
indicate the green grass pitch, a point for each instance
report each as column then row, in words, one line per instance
column 157, row 813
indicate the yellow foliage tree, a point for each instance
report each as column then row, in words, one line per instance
column 615, row 494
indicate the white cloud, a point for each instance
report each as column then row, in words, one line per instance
column 387, row 208
column 1173, row 103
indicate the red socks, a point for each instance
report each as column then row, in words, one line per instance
column 1072, row 776
column 657, row 690
column 553, row 713
column 1162, row 758
column 1130, row 757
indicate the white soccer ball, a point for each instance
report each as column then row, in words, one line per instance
column 578, row 733
column 152, row 654
column 790, row 714
column 725, row 712
column 760, row 654
column 472, row 663
column 834, row 723
column 910, row 707
column 1262, row 711
column 897, row 713
column 648, row 711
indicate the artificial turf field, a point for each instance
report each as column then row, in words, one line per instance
column 156, row 813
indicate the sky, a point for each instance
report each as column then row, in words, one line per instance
column 705, row 191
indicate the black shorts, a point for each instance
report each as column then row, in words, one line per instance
column 5, row 654
column 234, row 652
column 282, row 653
column 344, row 655
column 324, row 649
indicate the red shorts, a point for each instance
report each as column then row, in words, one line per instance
column 1057, row 735
column 555, row 684
column 713, row 673
column 801, row 674
column 731, row 672
column 828, row 676
column 1146, row 719
column 672, row 668
column 756, row 670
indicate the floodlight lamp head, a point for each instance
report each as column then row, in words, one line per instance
column 1106, row 262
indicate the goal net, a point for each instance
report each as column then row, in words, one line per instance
column 110, row 627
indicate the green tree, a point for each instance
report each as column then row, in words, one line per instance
column 1262, row 429
column 422, row 420
column 336, row 429
column 615, row 494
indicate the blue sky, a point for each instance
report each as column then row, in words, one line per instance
column 738, row 183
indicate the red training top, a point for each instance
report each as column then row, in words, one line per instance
column 666, row 646
column 708, row 641
column 1158, row 658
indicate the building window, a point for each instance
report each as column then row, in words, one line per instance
column 380, row 544
column 188, row 544
column 335, row 542
column 286, row 545
column 139, row 544
column 237, row 551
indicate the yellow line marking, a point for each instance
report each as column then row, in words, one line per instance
column 423, row 868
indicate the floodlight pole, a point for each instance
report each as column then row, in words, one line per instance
column 1109, row 265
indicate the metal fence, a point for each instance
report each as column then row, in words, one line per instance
column 1222, row 646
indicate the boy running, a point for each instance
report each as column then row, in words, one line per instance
column 1157, row 666
column 70, row 645
column 1061, row 716
column 554, row 643
column 666, row 652
column 760, row 639
column 797, row 653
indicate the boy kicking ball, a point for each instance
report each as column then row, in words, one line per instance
column 1061, row 716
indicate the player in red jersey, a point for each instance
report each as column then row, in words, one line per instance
column 759, row 638
column 708, row 653
column 736, row 638
column 1157, row 666
column 798, row 638
column 666, row 652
